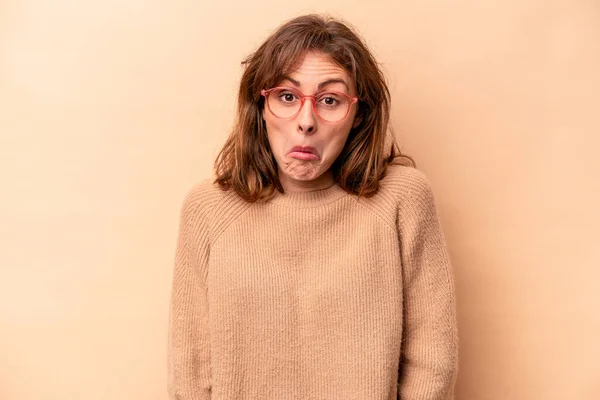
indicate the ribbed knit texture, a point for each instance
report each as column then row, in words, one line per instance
column 315, row 295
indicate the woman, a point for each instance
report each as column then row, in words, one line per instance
column 314, row 266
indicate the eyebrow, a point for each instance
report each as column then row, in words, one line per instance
column 321, row 84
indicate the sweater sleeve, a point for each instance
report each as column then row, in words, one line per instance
column 429, row 353
column 188, row 348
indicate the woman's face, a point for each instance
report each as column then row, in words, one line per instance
column 299, row 172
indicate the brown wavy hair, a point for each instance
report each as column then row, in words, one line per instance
column 246, row 163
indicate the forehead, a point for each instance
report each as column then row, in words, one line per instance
column 314, row 63
column 318, row 68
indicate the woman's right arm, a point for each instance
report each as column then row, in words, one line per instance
column 188, row 346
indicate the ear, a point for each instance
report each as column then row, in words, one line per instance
column 357, row 121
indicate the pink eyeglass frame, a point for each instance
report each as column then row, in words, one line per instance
column 266, row 92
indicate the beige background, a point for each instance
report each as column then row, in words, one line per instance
column 110, row 110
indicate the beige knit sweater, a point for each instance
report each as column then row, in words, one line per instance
column 314, row 295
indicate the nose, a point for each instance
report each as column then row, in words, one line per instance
column 306, row 118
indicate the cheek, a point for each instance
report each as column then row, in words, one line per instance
column 275, row 134
column 338, row 141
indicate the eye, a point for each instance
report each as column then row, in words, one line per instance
column 329, row 100
column 287, row 97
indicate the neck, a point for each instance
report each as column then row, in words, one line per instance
column 295, row 186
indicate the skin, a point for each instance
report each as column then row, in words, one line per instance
column 307, row 129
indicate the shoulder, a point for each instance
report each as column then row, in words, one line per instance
column 403, row 193
column 203, row 196
column 206, row 204
column 408, row 188
column 403, row 182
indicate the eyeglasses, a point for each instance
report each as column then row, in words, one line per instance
column 285, row 102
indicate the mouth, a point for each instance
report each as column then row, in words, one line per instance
column 306, row 153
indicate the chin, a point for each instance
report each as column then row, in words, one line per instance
column 304, row 177
column 302, row 171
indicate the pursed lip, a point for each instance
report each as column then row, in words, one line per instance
column 305, row 149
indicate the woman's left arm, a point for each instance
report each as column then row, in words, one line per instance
column 429, row 355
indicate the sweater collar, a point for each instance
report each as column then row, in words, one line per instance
column 313, row 198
